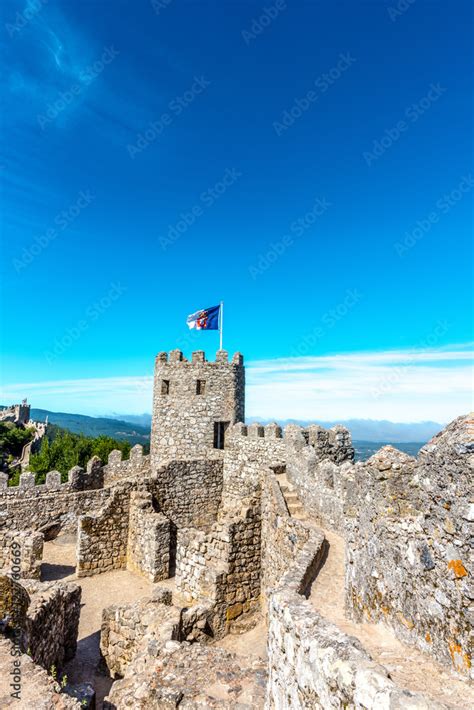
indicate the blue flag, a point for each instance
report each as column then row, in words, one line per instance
column 208, row 319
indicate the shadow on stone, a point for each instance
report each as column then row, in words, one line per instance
column 51, row 572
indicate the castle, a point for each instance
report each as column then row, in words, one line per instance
column 278, row 572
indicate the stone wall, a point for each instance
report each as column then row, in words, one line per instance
column 116, row 469
column 222, row 566
column 52, row 504
column 148, row 547
column 124, row 629
column 103, row 536
column 189, row 493
column 184, row 414
column 250, row 450
column 409, row 526
column 317, row 465
column 282, row 537
column 52, row 622
column 21, row 554
column 311, row 662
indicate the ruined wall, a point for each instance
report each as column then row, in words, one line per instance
column 124, row 629
column 52, row 622
column 250, row 450
column 148, row 547
column 282, row 537
column 189, row 492
column 117, row 469
column 222, row 566
column 37, row 507
column 21, row 554
column 183, row 419
column 317, row 464
column 103, row 536
column 408, row 530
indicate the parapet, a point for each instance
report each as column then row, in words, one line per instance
column 198, row 357
column 257, row 431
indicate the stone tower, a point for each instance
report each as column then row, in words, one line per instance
column 194, row 403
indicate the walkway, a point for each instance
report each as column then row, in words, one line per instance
column 98, row 592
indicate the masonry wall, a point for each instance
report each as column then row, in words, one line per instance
column 311, row 663
column 222, row 566
column 250, row 450
column 125, row 627
column 103, row 536
column 408, row 530
column 189, row 493
column 183, row 420
column 21, row 554
column 148, row 546
column 116, row 469
column 38, row 507
column 317, row 465
column 282, row 537
column 52, row 622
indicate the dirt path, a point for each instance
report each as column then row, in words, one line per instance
column 408, row 667
column 98, row 592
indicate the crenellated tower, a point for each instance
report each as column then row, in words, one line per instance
column 194, row 403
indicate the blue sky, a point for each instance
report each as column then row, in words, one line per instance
column 308, row 163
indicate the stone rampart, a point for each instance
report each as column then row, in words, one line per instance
column 409, row 525
column 116, row 469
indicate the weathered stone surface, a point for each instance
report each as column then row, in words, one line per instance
column 14, row 602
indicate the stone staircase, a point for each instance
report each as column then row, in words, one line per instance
column 292, row 501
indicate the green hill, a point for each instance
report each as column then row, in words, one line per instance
column 95, row 426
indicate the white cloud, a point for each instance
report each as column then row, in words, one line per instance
column 402, row 386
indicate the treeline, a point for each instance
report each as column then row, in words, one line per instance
column 12, row 441
column 61, row 450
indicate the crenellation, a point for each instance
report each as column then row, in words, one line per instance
column 53, row 480
column 27, row 480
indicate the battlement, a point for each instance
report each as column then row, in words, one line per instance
column 198, row 357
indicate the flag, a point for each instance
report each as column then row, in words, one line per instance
column 208, row 319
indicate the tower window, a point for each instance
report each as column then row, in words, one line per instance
column 201, row 387
column 165, row 386
column 219, row 434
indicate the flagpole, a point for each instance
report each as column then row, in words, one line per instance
column 221, row 323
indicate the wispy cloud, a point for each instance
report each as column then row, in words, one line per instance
column 399, row 385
